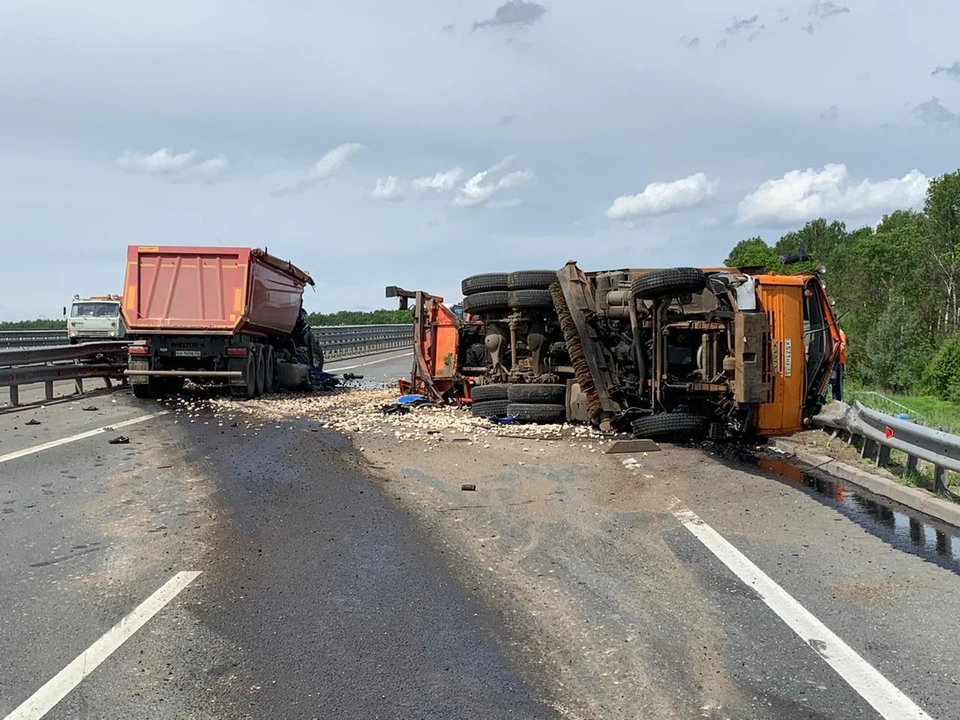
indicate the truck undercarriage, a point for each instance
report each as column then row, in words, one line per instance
column 663, row 353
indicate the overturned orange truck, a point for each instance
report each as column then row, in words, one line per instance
column 663, row 353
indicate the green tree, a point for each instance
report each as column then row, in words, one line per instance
column 819, row 239
column 942, row 211
column 895, row 352
column 942, row 377
column 753, row 252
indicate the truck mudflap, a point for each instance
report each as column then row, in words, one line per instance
column 574, row 303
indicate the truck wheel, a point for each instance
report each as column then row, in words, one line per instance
column 538, row 393
column 531, row 279
column 489, row 408
column 174, row 385
column 675, row 425
column 158, row 388
column 482, row 393
column 270, row 371
column 537, row 413
column 249, row 389
column 142, row 392
column 531, row 299
column 668, row 282
column 317, row 355
column 486, row 302
column 261, row 376
column 483, row 283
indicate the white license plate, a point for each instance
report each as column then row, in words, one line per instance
column 187, row 353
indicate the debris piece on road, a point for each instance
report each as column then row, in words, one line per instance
column 119, row 440
column 630, row 446
column 90, row 408
column 32, row 422
column 352, row 376
column 468, row 487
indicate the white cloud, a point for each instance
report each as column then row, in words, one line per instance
column 480, row 188
column 393, row 188
column 661, row 198
column 326, row 166
column 802, row 195
column 177, row 167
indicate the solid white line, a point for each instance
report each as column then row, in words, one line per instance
column 43, row 700
column 74, row 438
column 882, row 695
column 372, row 362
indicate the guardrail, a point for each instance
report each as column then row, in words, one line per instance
column 63, row 362
column 880, row 433
column 338, row 341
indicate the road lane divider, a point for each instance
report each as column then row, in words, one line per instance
column 372, row 362
column 890, row 702
column 44, row 699
column 80, row 436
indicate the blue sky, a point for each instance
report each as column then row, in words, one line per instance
column 377, row 144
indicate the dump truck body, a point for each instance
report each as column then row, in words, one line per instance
column 213, row 314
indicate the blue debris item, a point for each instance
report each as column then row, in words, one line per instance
column 411, row 399
column 505, row 420
column 902, row 416
column 321, row 379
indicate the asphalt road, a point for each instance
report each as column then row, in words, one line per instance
column 325, row 591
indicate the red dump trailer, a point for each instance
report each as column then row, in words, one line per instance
column 214, row 314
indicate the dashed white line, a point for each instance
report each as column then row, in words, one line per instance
column 372, row 362
column 44, row 699
column 81, row 436
column 873, row 687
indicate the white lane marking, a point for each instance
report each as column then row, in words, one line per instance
column 44, row 699
column 80, row 436
column 372, row 362
column 882, row 695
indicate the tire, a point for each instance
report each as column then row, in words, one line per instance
column 174, row 385
column 489, row 408
column 486, row 302
column 531, row 299
column 270, row 371
column 317, row 354
column 483, row 283
column 531, row 279
column 668, row 282
column 248, row 390
column 482, row 393
column 261, row 376
column 142, row 392
column 536, row 413
column 538, row 393
column 675, row 425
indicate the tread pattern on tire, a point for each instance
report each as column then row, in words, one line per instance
column 530, row 279
column 483, row 283
column 482, row 393
column 486, row 302
column 537, row 413
column 531, row 299
column 669, row 281
column 489, row 408
column 538, row 393
column 679, row 425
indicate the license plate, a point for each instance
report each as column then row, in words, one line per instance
column 788, row 357
column 187, row 353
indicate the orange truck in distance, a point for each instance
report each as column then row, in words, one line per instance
column 215, row 315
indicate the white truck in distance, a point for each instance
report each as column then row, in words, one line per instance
column 95, row 318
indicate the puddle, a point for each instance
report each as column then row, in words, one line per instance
column 902, row 527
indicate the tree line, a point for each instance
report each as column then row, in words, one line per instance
column 896, row 286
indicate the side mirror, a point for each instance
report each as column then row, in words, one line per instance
column 821, row 269
column 64, row 311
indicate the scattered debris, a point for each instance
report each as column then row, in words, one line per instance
column 468, row 487
column 32, row 422
column 90, row 408
column 119, row 440
column 352, row 376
